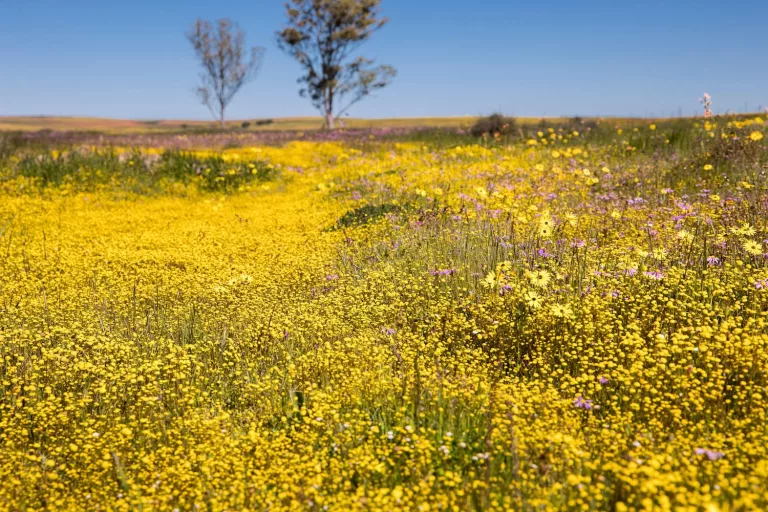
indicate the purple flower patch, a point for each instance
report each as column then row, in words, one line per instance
column 583, row 403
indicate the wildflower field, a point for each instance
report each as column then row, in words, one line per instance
column 571, row 318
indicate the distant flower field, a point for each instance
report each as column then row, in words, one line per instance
column 575, row 318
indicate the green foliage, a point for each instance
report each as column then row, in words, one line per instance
column 135, row 171
column 366, row 214
column 716, row 161
column 214, row 173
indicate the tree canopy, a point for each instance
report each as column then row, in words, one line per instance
column 322, row 36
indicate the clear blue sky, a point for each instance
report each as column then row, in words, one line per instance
column 129, row 59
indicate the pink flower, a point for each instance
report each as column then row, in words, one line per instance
column 710, row 454
column 443, row 271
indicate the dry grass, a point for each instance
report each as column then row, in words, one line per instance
column 119, row 126
column 35, row 123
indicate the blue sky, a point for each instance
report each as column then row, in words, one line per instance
column 129, row 59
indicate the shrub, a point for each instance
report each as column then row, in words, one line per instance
column 493, row 124
column 365, row 214
column 245, row 124
column 9, row 143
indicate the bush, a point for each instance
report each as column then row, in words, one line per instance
column 579, row 123
column 493, row 124
column 365, row 214
column 245, row 124
column 264, row 122
column 9, row 143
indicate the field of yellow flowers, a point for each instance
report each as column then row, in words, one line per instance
column 569, row 320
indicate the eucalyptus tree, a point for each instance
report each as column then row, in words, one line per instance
column 323, row 35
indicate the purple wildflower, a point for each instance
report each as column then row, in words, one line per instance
column 331, row 277
column 603, row 380
column 388, row 331
column 578, row 244
column 583, row 403
column 713, row 261
column 655, row 275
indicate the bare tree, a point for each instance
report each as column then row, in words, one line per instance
column 322, row 35
column 222, row 53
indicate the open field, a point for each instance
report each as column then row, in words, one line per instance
column 570, row 317
column 116, row 126
column 294, row 124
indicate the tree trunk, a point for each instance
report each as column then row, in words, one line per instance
column 329, row 120
column 221, row 117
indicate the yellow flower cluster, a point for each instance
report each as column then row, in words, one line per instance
column 389, row 327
